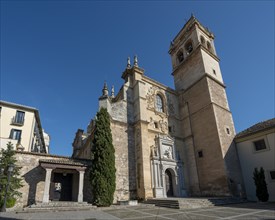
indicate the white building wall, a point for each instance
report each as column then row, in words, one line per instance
column 250, row 159
column 8, row 112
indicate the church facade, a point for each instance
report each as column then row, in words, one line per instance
column 172, row 142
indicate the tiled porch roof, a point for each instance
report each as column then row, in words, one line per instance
column 65, row 161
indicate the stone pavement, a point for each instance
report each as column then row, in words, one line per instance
column 245, row 211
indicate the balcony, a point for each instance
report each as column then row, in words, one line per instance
column 17, row 121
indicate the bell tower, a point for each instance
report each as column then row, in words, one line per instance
column 206, row 121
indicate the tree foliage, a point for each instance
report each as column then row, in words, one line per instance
column 260, row 183
column 103, row 178
column 7, row 157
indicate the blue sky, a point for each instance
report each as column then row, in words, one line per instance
column 55, row 55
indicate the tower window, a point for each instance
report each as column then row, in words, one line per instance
column 169, row 128
column 227, row 130
column 200, row 153
column 159, row 103
column 209, row 46
column 180, row 56
column 202, row 40
column 214, row 71
column 189, row 47
column 156, row 125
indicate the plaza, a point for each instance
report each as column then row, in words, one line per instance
column 249, row 211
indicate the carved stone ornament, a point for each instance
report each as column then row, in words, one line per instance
column 151, row 97
column 163, row 126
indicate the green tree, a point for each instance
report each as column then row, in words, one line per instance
column 260, row 183
column 7, row 157
column 103, row 172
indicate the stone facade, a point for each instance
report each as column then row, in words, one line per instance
column 34, row 175
column 173, row 142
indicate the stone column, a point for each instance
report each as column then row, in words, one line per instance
column 47, row 185
column 80, row 186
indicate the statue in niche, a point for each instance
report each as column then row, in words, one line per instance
column 168, row 153
column 154, row 150
column 163, row 125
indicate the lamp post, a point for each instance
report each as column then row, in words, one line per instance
column 10, row 169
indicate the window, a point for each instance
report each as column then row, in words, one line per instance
column 227, row 130
column 259, row 145
column 189, row 47
column 209, row 45
column 19, row 118
column 159, row 103
column 180, row 56
column 272, row 174
column 169, row 128
column 214, row 71
column 202, row 40
column 156, row 125
column 200, row 153
column 15, row 134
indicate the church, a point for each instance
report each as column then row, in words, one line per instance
column 172, row 142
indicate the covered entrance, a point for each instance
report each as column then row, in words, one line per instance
column 169, row 183
column 64, row 180
column 62, row 189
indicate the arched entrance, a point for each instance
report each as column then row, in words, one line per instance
column 169, row 183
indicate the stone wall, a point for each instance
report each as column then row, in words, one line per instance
column 33, row 176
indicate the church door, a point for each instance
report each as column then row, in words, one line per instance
column 169, row 183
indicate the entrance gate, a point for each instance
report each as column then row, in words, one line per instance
column 169, row 183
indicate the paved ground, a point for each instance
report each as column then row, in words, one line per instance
column 247, row 211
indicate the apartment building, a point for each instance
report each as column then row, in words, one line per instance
column 21, row 125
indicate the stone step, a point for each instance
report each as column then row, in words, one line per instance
column 58, row 206
column 191, row 203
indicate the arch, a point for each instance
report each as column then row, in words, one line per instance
column 202, row 40
column 189, row 47
column 209, row 46
column 180, row 56
column 159, row 103
column 169, row 182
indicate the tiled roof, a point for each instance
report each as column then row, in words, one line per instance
column 257, row 127
column 65, row 161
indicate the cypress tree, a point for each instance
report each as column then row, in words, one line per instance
column 260, row 183
column 103, row 178
column 7, row 158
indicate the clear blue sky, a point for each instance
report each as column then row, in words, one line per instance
column 55, row 55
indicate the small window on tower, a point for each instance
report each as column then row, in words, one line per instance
column 200, row 153
column 180, row 56
column 189, row 47
column 209, row 46
column 169, row 128
column 214, row 71
column 227, row 130
column 156, row 125
column 202, row 40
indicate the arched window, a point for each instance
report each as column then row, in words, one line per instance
column 209, row 46
column 159, row 103
column 180, row 56
column 189, row 47
column 202, row 40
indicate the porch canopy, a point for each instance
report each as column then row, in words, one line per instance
column 63, row 164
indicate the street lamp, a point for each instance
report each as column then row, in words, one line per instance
column 10, row 169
